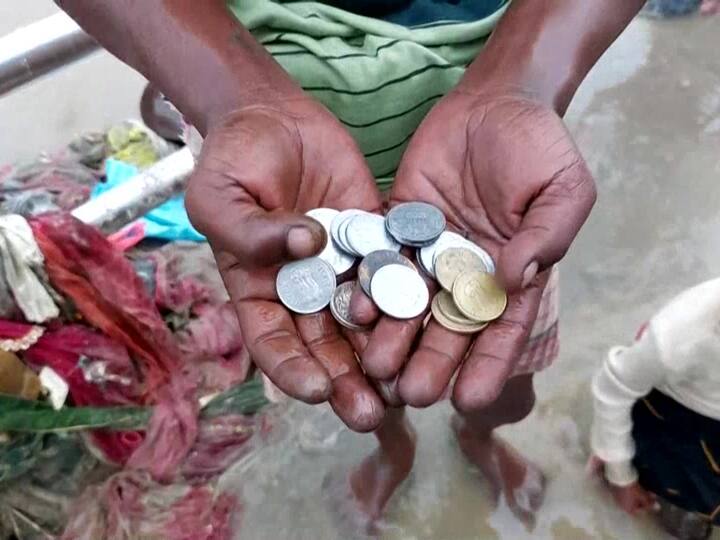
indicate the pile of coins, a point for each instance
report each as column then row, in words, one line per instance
column 470, row 297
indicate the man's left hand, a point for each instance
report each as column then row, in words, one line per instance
column 505, row 171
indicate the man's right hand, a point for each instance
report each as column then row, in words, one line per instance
column 261, row 168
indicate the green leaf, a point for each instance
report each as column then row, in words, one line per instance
column 25, row 416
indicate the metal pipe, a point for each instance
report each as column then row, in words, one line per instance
column 117, row 207
column 37, row 49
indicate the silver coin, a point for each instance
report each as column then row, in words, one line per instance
column 331, row 253
column 342, row 234
column 335, row 226
column 367, row 233
column 419, row 260
column 415, row 223
column 448, row 239
column 376, row 260
column 340, row 305
column 306, row 286
column 399, row 291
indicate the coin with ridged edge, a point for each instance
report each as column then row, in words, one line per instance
column 478, row 296
column 366, row 233
column 415, row 223
column 306, row 286
column 399, row 291
column 331, row 253
column 340, row 305
column 376, row 260
column 445, row 321
column 451, row 311
column 452, row 262
column 337, row 222
column 428, row 255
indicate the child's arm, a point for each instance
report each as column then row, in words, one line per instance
column 627, row 374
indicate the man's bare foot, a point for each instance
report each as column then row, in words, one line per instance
column 360, row 499
column 518, row 480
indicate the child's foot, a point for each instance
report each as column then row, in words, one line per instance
column 509, row 474
column 360, row 498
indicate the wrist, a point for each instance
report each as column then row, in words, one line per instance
column 496, row 72
column 620, row 474
column 238, row 95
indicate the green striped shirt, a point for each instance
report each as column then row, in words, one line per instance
column 379, row 78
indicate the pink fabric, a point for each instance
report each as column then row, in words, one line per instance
column 105, row 289
column 543, row 347
column 213, row 342
column 130, row 506
column 174, row 291
column 128, row 237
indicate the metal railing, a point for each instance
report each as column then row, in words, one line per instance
column 55, row 42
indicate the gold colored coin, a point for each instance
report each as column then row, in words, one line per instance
column 441, row 317
column 450, row 310
column 478, row 296
column 454, row 261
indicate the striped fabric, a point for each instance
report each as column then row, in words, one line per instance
column 380, row 79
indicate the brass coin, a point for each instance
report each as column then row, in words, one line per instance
column 448, row 323
column 454, row 261
column 450, row 310
column 478, row 296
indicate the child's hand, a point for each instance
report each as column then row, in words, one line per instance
column 633, row 498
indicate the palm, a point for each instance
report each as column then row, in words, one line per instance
column 495, row 167
column 259, row 172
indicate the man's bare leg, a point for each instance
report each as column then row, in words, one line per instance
column 373, row 482
column 519, row 481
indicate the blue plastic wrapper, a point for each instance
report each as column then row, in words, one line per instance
column 166, row 222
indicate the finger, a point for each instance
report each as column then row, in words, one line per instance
column 352, row 398
column 430, row 369
column 363, row 310
column 392, row 340
column 389, row 392
column 496, row 351
column 389, row 346
column 358, row 340
column 548, row 227
column 276, row 348
column 227, row 198
column 255, row 237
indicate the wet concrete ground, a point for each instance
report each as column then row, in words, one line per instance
column 648, row 122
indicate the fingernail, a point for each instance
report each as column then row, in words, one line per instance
column 301, row 243
column 529, row 273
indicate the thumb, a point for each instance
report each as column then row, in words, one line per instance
column 235, row 223
column 550, row 224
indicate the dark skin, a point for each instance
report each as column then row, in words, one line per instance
column 494, row 155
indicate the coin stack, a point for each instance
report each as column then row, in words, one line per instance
column 470, row 297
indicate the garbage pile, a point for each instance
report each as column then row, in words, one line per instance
column 125, row 390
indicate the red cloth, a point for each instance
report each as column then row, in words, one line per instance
column 103, row 284
column 130, row 505
column 105, row 289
